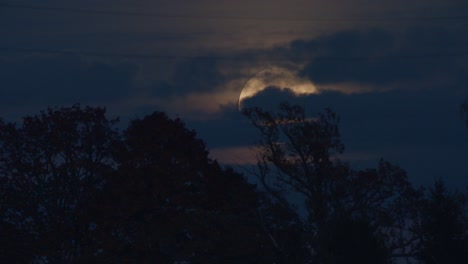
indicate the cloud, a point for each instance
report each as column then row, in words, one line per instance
column 247, row 155
column 349, row 62
column 232, row 42
column 281, row 78
column 200, row 74
column 204, row 105
column 349, row 43
column 63, row 79
column 380, row 57
column 240, row 155
column 271, row 97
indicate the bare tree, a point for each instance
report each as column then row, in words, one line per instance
column 300, row 155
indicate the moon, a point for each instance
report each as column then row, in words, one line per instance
column 282, row 78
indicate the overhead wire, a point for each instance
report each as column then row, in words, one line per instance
column 428, row 56
column 90, row 11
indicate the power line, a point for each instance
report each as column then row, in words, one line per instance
column 236, row 57
column 93, row 53
column 88, row 11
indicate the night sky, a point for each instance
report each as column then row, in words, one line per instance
column 395, row 71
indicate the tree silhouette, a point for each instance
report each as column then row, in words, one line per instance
column 299, row 155
column 75, row 190
column 353, row 241
column 51, row 167
column 444, row 238
column 15, row 244
column 169, row 202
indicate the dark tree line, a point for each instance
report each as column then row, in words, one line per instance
column 74, row 189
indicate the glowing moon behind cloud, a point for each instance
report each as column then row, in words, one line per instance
column 278, row 77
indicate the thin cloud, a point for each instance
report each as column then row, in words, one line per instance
column 241, row 155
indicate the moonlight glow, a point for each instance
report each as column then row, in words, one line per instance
column 279, row 77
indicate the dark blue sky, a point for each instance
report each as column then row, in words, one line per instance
column 395, row 71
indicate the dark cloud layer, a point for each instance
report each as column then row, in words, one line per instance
column 425, row 58
column 382, row 57
column 199, row 74
column 63, row 79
